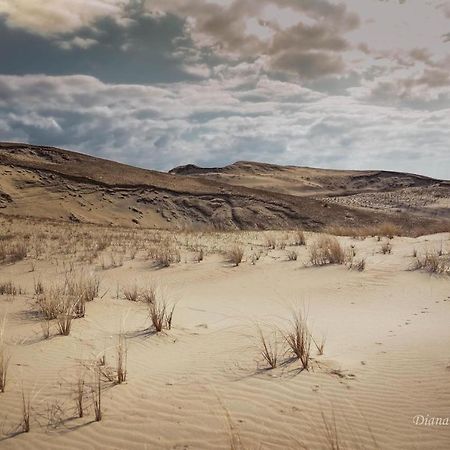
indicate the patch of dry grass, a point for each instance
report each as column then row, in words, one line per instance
column 234, row 255
column 326, row 250
column 298, row 338
column 433, row 263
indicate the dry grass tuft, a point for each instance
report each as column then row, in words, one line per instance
column 292, row 255
column 132, row 293
column 97, row 397
column 79, row 393
column 268, row 349
column 433, row 263
column 357, row 264
column 164, row 254
column 326, row 250
column 161, row 315
column 299, row 238
column 386, row 248
column 298, row 338
column 234, row 255
column 9, row 288
column 26, row 412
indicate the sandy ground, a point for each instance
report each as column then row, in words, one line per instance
column 204, row 385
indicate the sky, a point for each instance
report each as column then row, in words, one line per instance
column 351, row 84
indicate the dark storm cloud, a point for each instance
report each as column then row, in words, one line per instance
column 140, row 52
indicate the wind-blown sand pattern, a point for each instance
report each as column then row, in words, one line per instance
column 203, row 384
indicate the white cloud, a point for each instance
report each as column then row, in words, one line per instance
column 212, row 122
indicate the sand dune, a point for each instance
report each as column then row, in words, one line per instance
column 203, row 384
column 56, row 184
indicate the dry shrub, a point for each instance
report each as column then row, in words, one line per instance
column 358, row 264
column 234, row 255
column 132, row 293
column 164, row 254
column 161, row 314
column 9, row 288
column 268, row 349
column 386, row 248
column 271, row 242
column 433, row 263
column 66, row 316
column 292, row 255
column 149, row 295
column 388, row 230
column 298, row 338
column 12, row 252
column 299, row 238
column 326, row 250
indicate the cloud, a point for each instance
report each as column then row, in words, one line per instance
column 212, row 122
column 58, row 16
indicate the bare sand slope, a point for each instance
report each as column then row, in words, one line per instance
column 204, row 385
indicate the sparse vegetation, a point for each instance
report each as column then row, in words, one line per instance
column 299, row 238
column 26, row 412
column 268, row 349
column 234, row 255
column 292, row 255
column 326, row 250
column 298, row 339
column 161, row 314
column 386, row 248
column 433, row 263
column 9, row 288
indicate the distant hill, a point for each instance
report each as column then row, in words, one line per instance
column 47, row 182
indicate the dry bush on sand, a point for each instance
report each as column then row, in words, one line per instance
column 357, row 264
column 161, row 314
column 433, row 263
column 132, row 293
column 292, row 255
column 12, row 252
column 299, row 238
column 326, row 250
column 164, row 254
column 234, row 255
column 298, row 338
column 386, row 248
column 9, row 288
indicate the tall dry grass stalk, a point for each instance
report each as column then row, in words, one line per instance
column 121, row 354
column 26, row 412
column 79, row 393
column 5, row 358
column 97, row 397
column 268, row 348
